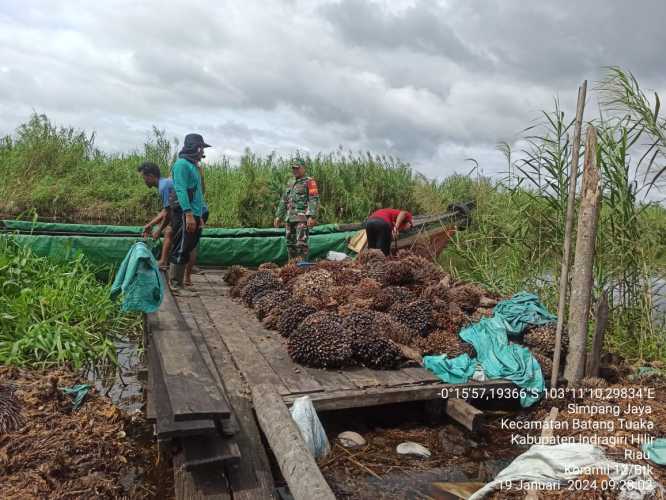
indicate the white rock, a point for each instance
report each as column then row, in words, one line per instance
column 350, row 439
column 410, row 448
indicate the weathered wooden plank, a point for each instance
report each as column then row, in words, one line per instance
column 298, row 466
column 201, row 451
column 165, row 425
column 421, row 375
column 251, row 478
column 331, row 380
column 375, row 396
column 208, row 483
column 393, row 378
column 361, row 377
column 247, row 358
column 194, row 310
column 149, row 397
column 193, row 393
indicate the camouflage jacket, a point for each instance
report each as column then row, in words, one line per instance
column 299, row 201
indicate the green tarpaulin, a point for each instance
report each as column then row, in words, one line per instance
column 209, row 232
column 219, row 247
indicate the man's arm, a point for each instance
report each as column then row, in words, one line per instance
column 156, row 220
column 398, row 222
column 164, row 222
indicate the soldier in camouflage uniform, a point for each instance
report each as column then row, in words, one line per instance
column 298, row 211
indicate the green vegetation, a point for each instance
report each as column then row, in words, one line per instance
column 56, row 314
column 514, row 243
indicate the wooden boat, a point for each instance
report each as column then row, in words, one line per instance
column 429, row 235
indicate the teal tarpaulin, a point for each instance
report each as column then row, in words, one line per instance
column 456, row 370
column 656, row 450
column 499, row 358
column 139, row 281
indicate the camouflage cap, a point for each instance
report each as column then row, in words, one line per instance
column 297, row 162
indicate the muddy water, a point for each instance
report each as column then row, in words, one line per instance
column 124, row 387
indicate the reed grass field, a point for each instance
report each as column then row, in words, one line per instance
column 514, row 243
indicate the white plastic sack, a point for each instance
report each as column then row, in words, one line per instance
column 338, row 256
column 544, row 464
column 307, row 421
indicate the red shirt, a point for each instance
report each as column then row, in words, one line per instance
column 390, row 215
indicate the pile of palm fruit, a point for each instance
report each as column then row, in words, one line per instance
column 366, row 311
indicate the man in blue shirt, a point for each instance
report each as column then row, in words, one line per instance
column 152, row 177
column 187, row 208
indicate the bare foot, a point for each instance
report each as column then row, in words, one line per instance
column 187, row 282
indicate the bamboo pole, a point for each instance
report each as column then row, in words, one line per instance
column 582, row 281
column 568, row 229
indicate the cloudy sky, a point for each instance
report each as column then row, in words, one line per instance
column 433, row 82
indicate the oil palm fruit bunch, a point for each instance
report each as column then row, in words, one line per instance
column 367, row 288
column 292, row 316
column 445, row 342
column 542, row 339
column 425, row 270
column 450, row 320
column 313, row 287
column 241, row 281
column 371, row 255
column 234, row 274
column 546, row 364
column 289, row 271
column 358, row 325
column 417, row 315
column 376, row 352
column 388, row 296
column 268, row 266
column 259, row 282
column 388, row 327
column 273, row 299
column 466, row 296
column 320, row 342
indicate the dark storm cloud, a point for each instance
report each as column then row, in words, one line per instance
column 433, row 82
column 421, row 28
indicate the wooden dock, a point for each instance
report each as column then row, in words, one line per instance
column 237, row 354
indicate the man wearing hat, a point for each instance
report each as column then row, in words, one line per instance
column 297, row 210
column 187, row 208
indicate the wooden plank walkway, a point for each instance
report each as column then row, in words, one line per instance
column 261, row 357
column 228, row 353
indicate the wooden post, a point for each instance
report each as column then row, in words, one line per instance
column 464, row 413
column 568, row 229
column 298, row 466
column 593, row 361
column 581, row 285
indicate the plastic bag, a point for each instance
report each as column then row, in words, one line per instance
column 336, row 256
column 307, row 421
